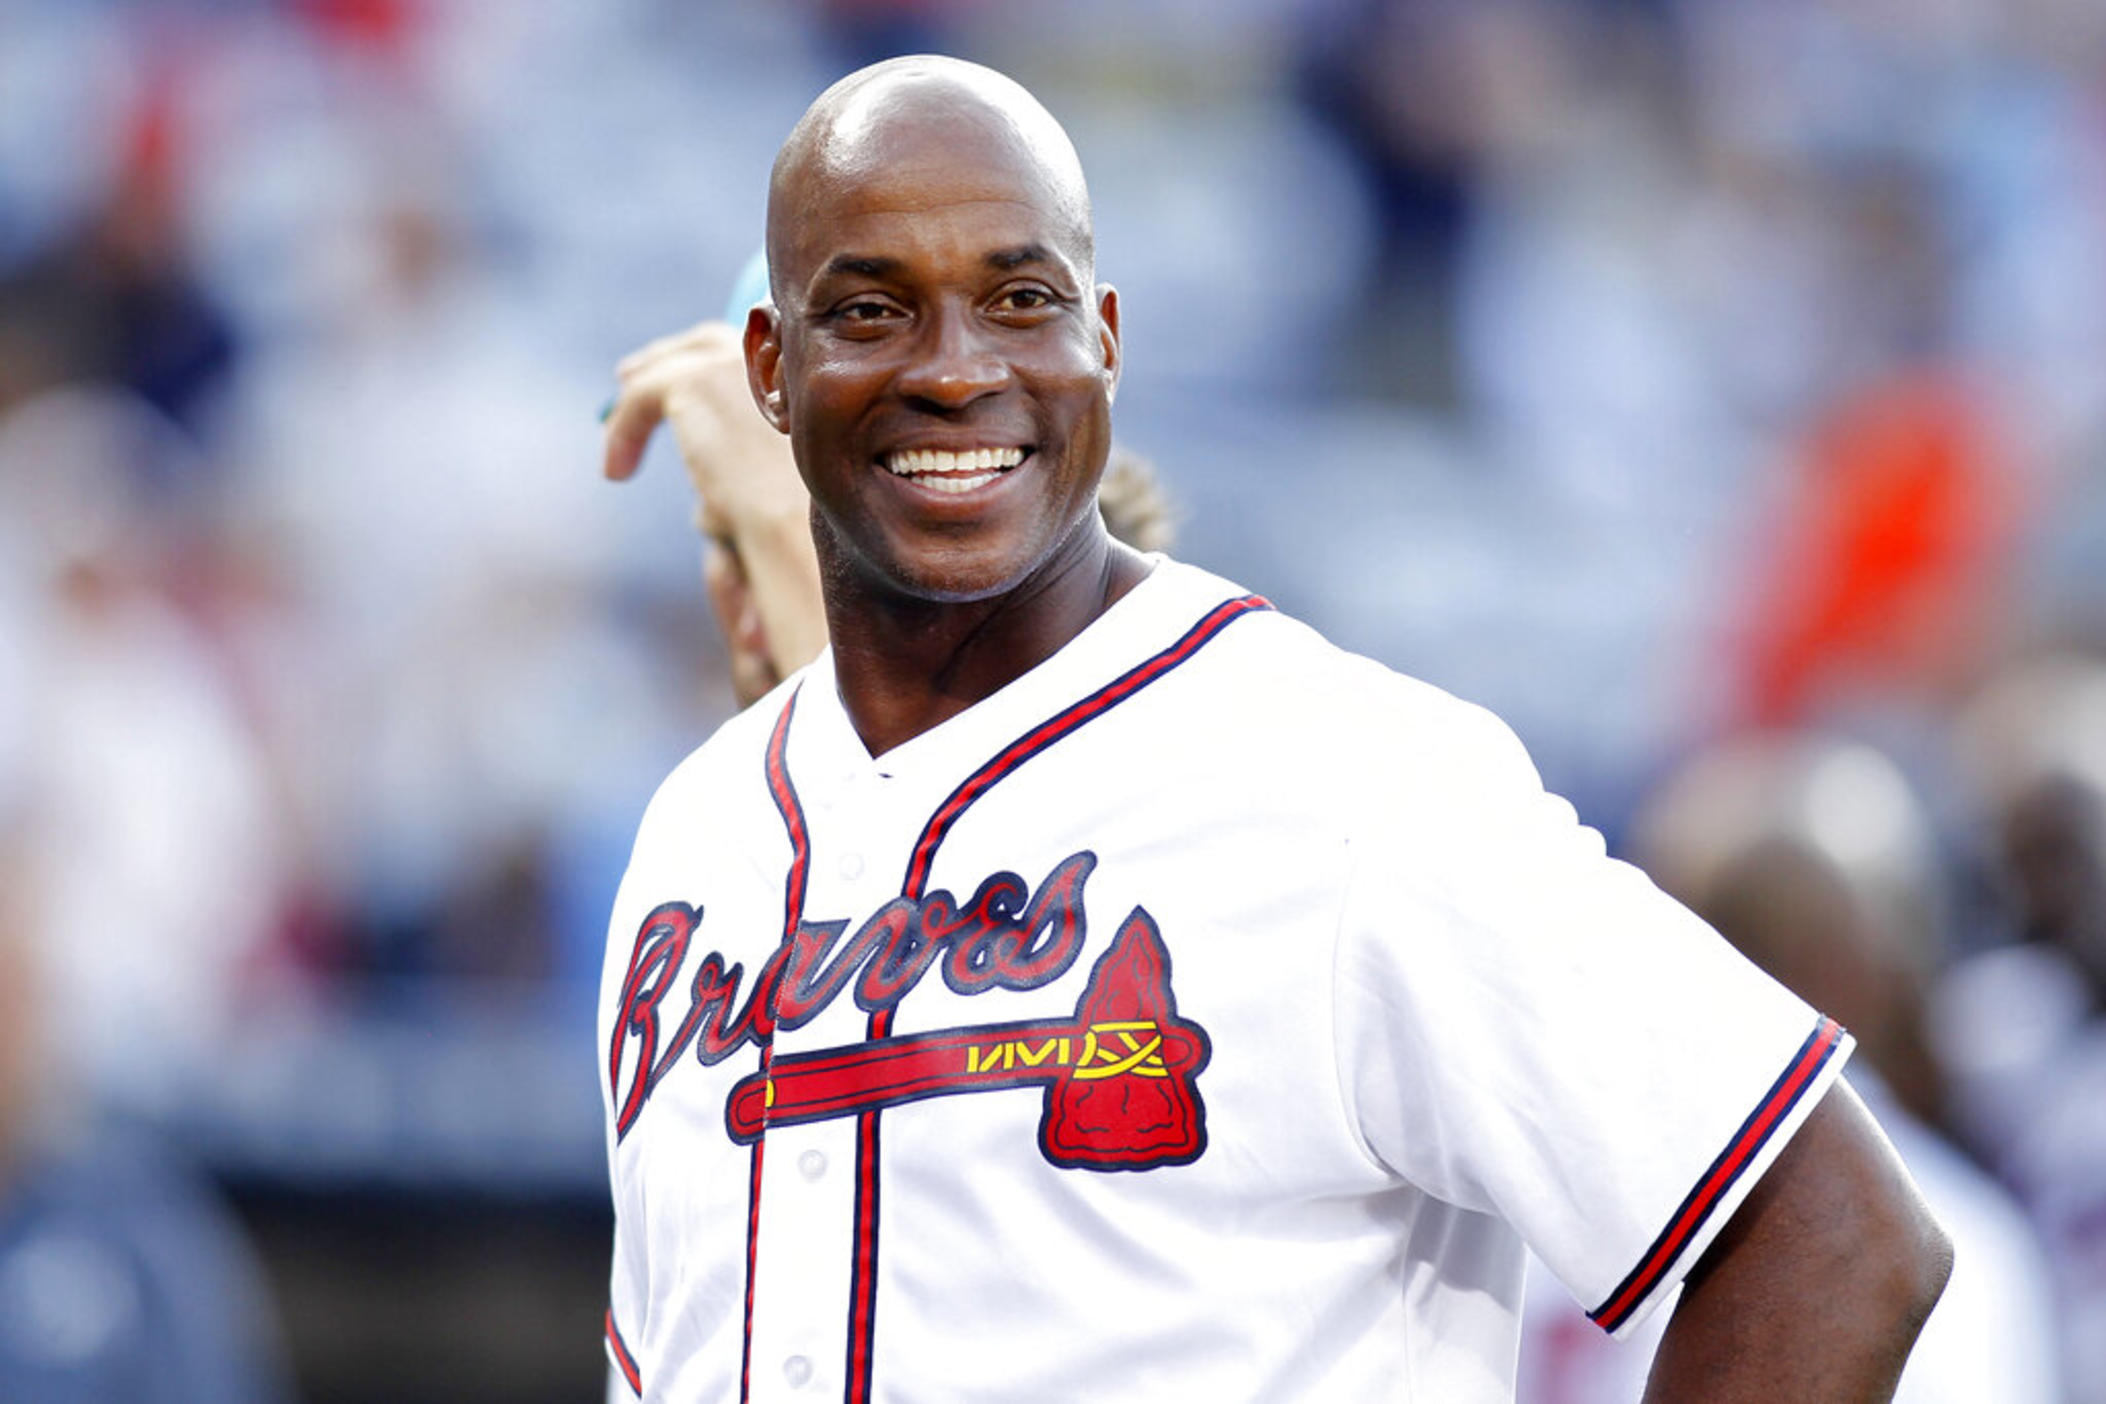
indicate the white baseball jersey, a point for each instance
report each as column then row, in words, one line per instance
column 1208, row 1014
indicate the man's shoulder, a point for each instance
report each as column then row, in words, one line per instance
column 1297, row 703
column 1295, row 680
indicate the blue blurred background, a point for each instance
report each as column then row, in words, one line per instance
column 1649, row 370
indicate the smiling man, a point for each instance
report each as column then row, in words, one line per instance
column 1083, row 981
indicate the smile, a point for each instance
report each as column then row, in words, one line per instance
column 945, row 470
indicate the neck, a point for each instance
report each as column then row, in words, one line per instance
column 906, row 664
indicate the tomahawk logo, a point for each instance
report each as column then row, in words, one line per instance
column 1119, row 1077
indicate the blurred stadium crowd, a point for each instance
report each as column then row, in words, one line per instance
column 1662, row 373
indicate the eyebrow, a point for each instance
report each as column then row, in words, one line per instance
column 1006, row 259
column 862, row 266
column 875, row 266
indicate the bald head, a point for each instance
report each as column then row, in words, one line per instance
column 926, row 122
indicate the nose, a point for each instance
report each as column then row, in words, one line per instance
column 953, row 361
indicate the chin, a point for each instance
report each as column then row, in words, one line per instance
column 960, row 581
column 961, row 568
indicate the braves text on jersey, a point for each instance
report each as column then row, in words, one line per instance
column 1209, row 1013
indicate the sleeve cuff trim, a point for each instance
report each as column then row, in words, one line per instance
column 1689, row 1218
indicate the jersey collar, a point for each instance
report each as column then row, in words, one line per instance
column 1150, row 616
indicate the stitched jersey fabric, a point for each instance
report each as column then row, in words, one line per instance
column 1210, row 1013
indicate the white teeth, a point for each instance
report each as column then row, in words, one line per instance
column 958, row 482
column 982, row 462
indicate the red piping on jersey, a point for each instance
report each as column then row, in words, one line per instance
column 1753, row 1134
column 623, row 1360
column 1048, row 732
column 753, row 1188
column 793, row 888
column 785, row 796
column 862, row 1300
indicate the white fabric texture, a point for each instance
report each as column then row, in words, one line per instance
column 1420, row 1016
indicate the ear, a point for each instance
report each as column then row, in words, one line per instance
column 763, row 346
column 1108, row 337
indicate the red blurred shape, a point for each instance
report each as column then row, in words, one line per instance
column 1882, row 572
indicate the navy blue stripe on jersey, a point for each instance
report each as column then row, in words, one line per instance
column 794, row 882
column 623, row 1360
column 862, row 1295
column 1690, row 1216
column 862, row 1301
column 784, row 793
column 1052, row 730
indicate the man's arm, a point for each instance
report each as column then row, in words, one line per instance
column 763, row 574
column 1815, row 1289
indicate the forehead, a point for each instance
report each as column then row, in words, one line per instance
column 928, row 180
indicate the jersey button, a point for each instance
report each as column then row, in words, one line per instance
column 851, row 866
column 798, row 1371
column 812, row 1164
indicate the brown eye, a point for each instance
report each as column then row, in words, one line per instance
column 1027, row 305
column 863, row 316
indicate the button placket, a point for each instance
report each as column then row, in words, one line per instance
column 802, row 1292
column 801, row 1282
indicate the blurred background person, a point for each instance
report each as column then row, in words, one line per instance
column 2023, row 1018
column 122, row 1274
column 153, row 813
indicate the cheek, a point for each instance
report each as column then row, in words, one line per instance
column 1093, row 427
column 831, row 399
column 1071, row 387
column 1076, row 358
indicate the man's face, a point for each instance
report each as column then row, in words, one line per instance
column 944, row 366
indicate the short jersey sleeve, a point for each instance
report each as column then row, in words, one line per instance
column 1531, row 1029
